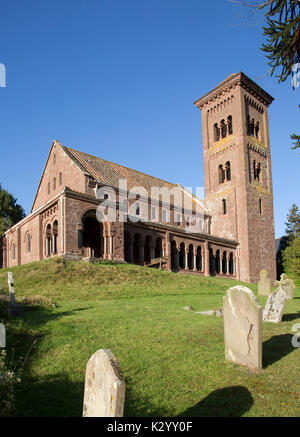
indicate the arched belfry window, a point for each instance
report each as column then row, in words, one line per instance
column 229, row 124
column 223, row 129
column 216, row 132
column 228, row 171
column 221, row 174
column 257, row 129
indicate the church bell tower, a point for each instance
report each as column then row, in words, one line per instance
column 237, row 171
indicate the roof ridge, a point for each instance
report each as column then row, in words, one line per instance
column 120, row 165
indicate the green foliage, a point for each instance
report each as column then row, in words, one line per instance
column 283, row 40
column 8, row 381
column 283, row 36
column 10, row 212
column 293, row 223
column 279, row 256
column 172, row 360
column 291, row 259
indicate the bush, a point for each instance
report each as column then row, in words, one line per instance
column 291, row 259
column 8, row 381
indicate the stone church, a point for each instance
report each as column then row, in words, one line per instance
column 230, row 233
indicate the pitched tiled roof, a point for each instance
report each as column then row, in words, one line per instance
column 109, row 173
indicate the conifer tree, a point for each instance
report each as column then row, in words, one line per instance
column 293, row 223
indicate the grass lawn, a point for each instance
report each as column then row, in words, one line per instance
column 172, row 360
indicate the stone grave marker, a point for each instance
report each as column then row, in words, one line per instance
column 243, row 327
column 13, row 308
column 287, row 286
column 264, row 283
column 104, row 391
column 275, row 305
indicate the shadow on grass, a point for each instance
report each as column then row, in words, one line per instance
column 276, row 348
column 42, row 315
column 53, row 396
column 226, row 402
column 290, row 317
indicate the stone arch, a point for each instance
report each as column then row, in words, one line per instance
column 128, row 255
column 199, row 259
column 92, row 235
column 231, row 263
column 191, row 257
column 217, row 261
column 182, row 256
column 224, row 262
column 137, row 246
column 158, row 247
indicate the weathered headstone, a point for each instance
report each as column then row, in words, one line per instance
column 287, row 286
column 2, row 336
column 274, row 307
column 13, row 308
column 104, row 391
column 243, row 327
column 264, row 283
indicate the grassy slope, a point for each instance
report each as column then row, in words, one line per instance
column 172, row 360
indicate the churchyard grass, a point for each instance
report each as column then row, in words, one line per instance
column 172, row 359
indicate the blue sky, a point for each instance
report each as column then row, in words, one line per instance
column 118, row 79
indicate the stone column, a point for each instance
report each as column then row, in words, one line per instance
column 206, row 259
column 195, row 262
column 186, row 267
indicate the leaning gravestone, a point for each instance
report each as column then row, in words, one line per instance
column 274, row 307
column 13, row 308
column 264, row 283
column 243, row 327
column 287, row 285
column 104, row 391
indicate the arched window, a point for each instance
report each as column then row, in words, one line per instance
column 254, row 169
column 216, row 132
column 228, row 171
column 252, row 127
column 224, row 206
column 48, row 187
column 55, row 236
column 28, row 243
column 260, row 206
column 60, row 178
column 178, row 219
column 256, row 129
column 223, row 129
column 14, row 252
column 187, row 222
column 221, row 174
column 137, row 209
column 54, row 183
column 164, row 215
column 48, row 241
column 229, row 124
